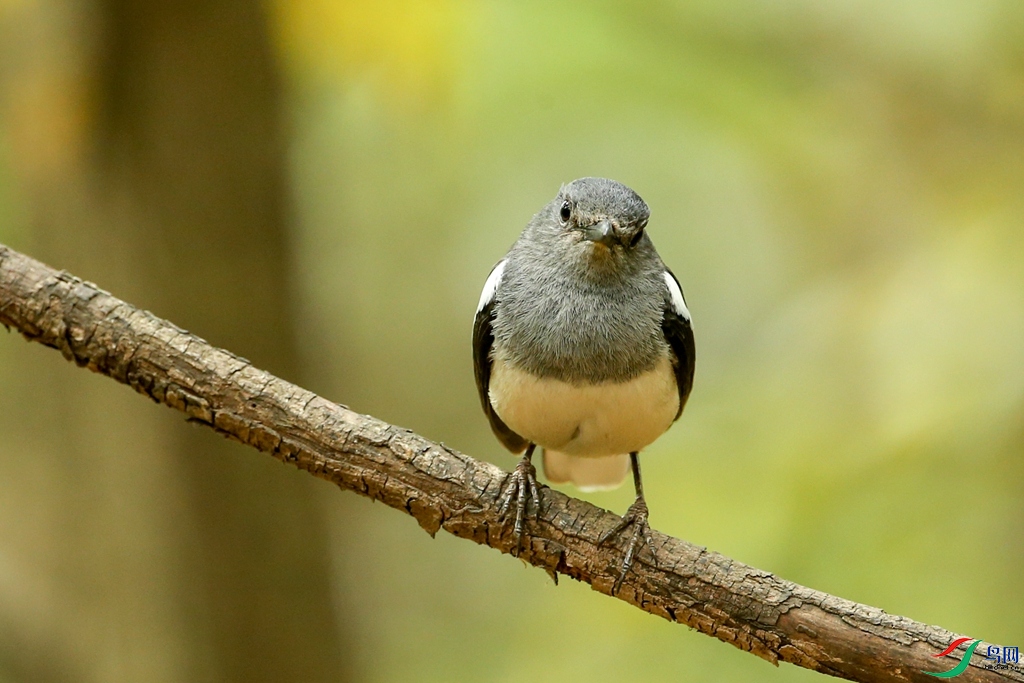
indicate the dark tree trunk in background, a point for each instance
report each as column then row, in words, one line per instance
column 191, row 133
column 185, row 196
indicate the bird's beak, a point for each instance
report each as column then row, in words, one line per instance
column 603, row 232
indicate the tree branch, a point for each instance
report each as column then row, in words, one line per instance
column 443, row 489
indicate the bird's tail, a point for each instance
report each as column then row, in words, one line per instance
column 586, row 474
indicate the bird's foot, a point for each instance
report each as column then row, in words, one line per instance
column 636, row 516
column 519, row 487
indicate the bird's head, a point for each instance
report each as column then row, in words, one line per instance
column 601, row 216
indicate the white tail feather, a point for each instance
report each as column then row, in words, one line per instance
column 586, row 474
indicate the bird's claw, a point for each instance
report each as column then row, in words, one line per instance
column 636, row 516
column 520, row 486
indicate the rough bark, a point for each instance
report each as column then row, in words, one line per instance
column 443, row 489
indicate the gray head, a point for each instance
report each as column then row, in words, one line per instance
column 603, row 212
column 593, row 226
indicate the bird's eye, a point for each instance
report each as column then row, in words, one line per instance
column 566, row 212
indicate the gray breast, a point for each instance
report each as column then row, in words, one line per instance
column 553, row 322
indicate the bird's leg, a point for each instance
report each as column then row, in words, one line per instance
column 637, row 516
column 520, row 486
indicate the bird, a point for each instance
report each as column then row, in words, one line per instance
column 582, row 345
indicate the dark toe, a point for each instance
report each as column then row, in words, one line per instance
column 520, row 486
column 636, row 516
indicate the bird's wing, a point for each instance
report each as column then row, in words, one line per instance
column 679, row 335
column 483, row 339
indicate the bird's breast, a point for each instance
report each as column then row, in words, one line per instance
column 579, row 335
column 586, row 419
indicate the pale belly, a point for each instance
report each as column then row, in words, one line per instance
column 588, row 420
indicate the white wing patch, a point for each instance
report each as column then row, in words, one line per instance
column 677, row 296
column 491, row 286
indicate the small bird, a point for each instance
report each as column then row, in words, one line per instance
column 582, row 345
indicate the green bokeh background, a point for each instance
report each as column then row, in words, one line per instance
column 838, row 187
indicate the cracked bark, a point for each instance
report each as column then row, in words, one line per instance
column 443, row 489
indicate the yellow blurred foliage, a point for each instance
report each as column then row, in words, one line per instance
column 47, row 124
column 9, row 6
column 408, row 46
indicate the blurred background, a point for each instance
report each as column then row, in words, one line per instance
column 322, row 187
